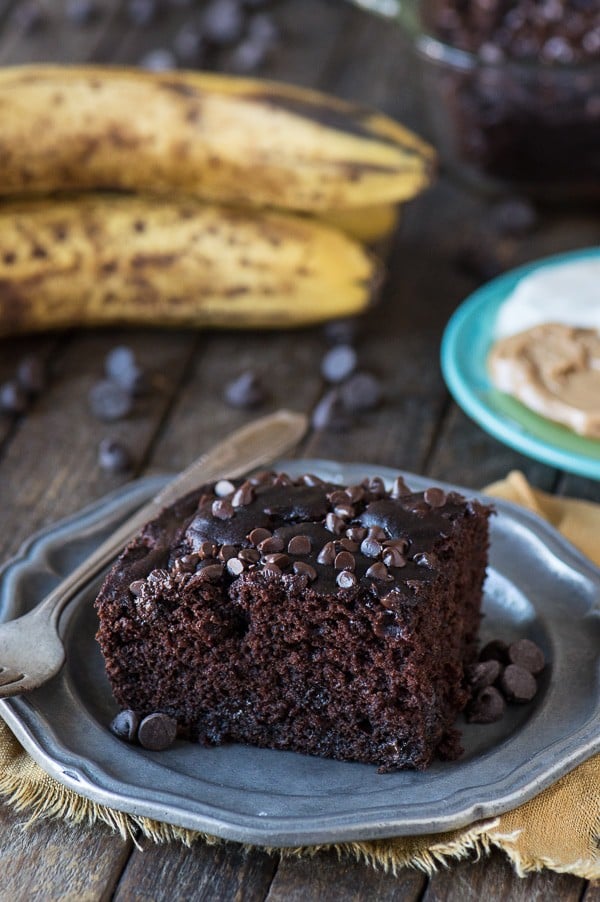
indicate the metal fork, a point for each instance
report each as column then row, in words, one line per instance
column 31, row 649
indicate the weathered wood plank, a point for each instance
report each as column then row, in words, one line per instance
column 327, row 877
column 170, row 873
column 592, row 892
column 493, row 879
column 51, row 860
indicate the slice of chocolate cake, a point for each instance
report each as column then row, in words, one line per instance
column 296, row 614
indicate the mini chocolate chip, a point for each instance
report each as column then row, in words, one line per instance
column 483, row 674
column 401, row 544
column 425, row 559
column 283, row 479
column 330, row 413
column 210, row 573
column 527, row 654
column 392, row 557
column 357, row 533
column 304, row 569
column 337, row 497
column 109, row 401
column 362, row 391
column 338, row 363
column 222, row 509
column 354, row 493
column 258, row 535
column 125, row 725
column 279, row 559
column 299, row 545
column 226, row 552
column 348, row 545
column 223, row 488
column 346, row 511
column 517, row 684
column 327, row 554
column 334, row 524
column 114, row 456
column 346, row 579
column 435, row 496
column 187, row 563
column 271, row 545
column 271, row 570
column 246, row 391
column 137, row 587
column 399, row 488
column 496, row 650
column 244, row 495
column 207, row 549
column 235, row 566
column 157, row 732
column 13, row 399
column 379, row 572
column 249, row 555
column 31, row 375
column 376, row 486
column 371, row 547
column 487, row 707
column 344, row 561
column 377, row 533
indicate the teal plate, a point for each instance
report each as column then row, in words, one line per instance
column 466, row 343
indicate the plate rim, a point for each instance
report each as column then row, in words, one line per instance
column 246, row 828
column 495, row 424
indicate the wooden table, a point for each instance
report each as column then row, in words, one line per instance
column 48, row 457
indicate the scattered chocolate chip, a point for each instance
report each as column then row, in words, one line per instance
column 280, row 560
column 13, row 399
column 330, row 413
column 226, row 552
column 157, row 732
column 337, row 497
column 246, row 391
column 188, row 44
column 527, row 654
column 392, row 557
column 113, row 456
column 487, row 707
column 187, row 563
column 515, row 216
column 376, row 487
column 258, row 535
column 378, row 533
column 125, row 725
column 483, row 674
column 81, row 12
column 244, row 495
column 425, row 559
column 209, row 573
column 362, row 391
column 334, row 524
column 304, row 569
column 435, row 497
column 137, row 587
column 357, row 533
column 109, row 401
column 222, row 509
column 158, row 60
column 341, row 331
column 299, row 545
column 346, row 579
column 249, row 555
column 344, row 561
column 141, row 12
column 207, row 550
column 338, row 363
column 355, row 493
column 399, row 488
column 271, row 545
column 327, row 554
column 345, row 511
column 348, row 545
column 371, row 547
column 224, row 487
column 31, row 375
column 120, row 366
column 517, row 684
column 379, row 572
column 271, row 570
column 222, row 22
column 496, row 650
column 158, row 575
column 235, row 566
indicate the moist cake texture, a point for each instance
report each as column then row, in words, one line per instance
column 296, row 614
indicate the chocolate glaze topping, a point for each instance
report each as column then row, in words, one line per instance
column 331, row 536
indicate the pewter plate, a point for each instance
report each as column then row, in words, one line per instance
column 537, row 586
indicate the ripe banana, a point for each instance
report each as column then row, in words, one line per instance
column 104, row 259
column 233, row 140
column 366, row 224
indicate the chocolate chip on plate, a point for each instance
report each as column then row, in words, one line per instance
column 528, row 655
column 113, row 456
column 483, row 674
column 157, row 732
column 245, row 391
column 517, row 684
column 362, row 391
column 109, row 401
column 338, row 363
column 125, row 725
column 13, row 399
column 487, row 707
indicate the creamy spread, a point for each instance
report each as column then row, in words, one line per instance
column 554, row 369
column 567, row 293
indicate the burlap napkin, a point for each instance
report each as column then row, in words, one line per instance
column 559, row 829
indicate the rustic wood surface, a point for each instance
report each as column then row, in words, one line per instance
column 48, row 457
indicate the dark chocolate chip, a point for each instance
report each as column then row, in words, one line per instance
column 207, row 550
column 209, row 573
column 244, row 495
column 304, row 569
column 338, row 497
column 379, row 572
column 338, row 363
column 235, row 566
column 109, row 400
column 271, row 570
column 483, row 674
column 226, row 552
column 249, row 555
column 349, row 545
column 137, row 587
column 335, row 524
column 357, row 533
column 13, row 399
column 158, row 575
column 271, row 545
column 114, row 456
column 327, row 554
column 299, row 545
column 187, row 563
column 527, row 654
column 496, row 650
column 378, row 533
column 222, row 22
column 355, row 493
column 399, row 488
column 435, row 497
column 258, row 535
column 82, row 12
column 376, row 486
column 224, row 487
column 392, row 557
column 425, row 559
column 222, row 509
column 517, row 684
column 157, row 732
column 344, row 561
column 279, row 559
column 371, row 547
column 487, row 707
column 188, row 44
column 346, row 579
column 331, row 413
column 141, row 12
column 345, row 511
column 310, row 479
column 362, row 391
column 125, row 725
column 246, row 391
column 31, row 375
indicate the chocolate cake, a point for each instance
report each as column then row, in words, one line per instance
column 297, row 614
